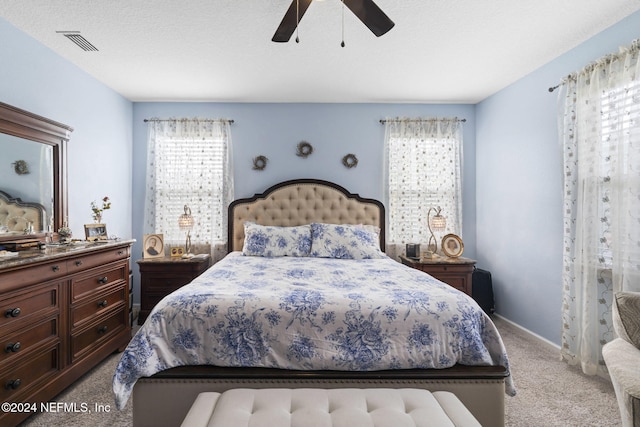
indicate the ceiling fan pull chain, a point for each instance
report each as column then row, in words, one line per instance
column 342, row 44
column 297, row 20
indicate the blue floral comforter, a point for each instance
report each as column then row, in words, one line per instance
column 307, row 313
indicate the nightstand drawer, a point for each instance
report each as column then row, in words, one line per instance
column 457, row 282
column 456, row 272
column 451, row 269
column 161, row 276
column 168, row 281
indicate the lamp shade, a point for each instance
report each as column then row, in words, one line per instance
column 186, row 221
column 438, row 222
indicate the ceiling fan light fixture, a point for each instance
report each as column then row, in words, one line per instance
column 365, row 10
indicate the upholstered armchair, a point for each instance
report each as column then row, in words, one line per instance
column 622, row 356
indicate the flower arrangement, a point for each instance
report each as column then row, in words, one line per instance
column 65, row 233
column 96, row 210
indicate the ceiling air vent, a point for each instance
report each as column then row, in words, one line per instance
column 78, row 39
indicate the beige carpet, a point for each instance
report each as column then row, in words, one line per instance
column 550, row 393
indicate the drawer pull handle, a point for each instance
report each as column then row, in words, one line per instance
column 103, row 330
column 12, row 347
column 103, row 303
column 55, row 268
column 120, row 252
column 78, row 263
column 12, row 312
column 13, row 384
column 103, row 280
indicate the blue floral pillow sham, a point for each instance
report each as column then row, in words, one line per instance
column 271, row 241
column 344, row 241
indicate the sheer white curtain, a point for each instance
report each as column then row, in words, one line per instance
column 189, row 163
column 423, row 170
column 600, row 132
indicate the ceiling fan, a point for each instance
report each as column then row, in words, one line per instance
column 366, row 10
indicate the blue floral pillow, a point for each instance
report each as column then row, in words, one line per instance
column 344, row 241
column 270, row 241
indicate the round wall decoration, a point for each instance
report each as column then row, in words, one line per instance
column 21, row 167
column 350, row 161
column 304, row 149
column 259, row 163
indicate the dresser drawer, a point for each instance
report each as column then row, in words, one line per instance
column 102, row 330
column 96, row 305
column 97, row 280
column 17, row 381
column 19, row 309
column 37, row 274
column 82, row 263
column 22, row 341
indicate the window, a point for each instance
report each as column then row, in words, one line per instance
column 423, row 170
column 188, row 164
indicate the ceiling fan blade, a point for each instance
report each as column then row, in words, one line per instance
column 290, row 20
column 370, row 15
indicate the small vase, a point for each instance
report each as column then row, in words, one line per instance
column 97, row 219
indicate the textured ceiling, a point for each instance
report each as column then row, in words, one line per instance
column 453, row 51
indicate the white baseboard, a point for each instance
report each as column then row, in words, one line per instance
column 528, row 332
column 136, row 310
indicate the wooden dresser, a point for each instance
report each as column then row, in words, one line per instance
column 161, row 276
column 63, row 310
column 456, row 272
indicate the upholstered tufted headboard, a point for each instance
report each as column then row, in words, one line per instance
column 300, row 202
column 16, row 214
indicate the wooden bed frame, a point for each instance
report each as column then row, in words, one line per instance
column 165, row 398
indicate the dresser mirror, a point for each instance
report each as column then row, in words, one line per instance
column 32, row 174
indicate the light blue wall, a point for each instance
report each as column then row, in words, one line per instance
column 519, row 186
column 34, row 78
column 274, row 130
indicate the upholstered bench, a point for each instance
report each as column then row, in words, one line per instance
column 347, row 407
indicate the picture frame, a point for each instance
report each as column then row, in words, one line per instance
column 153, row 246
column 452, row 246
column 177, row 251
column 94, row 232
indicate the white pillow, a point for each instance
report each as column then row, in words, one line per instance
column 271, row 241
column 344, row 241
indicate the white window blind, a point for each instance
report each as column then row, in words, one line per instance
column 615, row 171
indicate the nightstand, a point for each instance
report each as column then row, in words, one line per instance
column 161, row 276
column 456, row 272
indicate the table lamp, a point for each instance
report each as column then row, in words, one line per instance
column 435, row 223
column 186, row 222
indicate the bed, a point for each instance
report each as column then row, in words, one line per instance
column 365, row 317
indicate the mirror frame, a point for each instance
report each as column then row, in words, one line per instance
column 26, row 125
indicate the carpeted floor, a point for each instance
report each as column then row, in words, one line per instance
column 550, row 393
